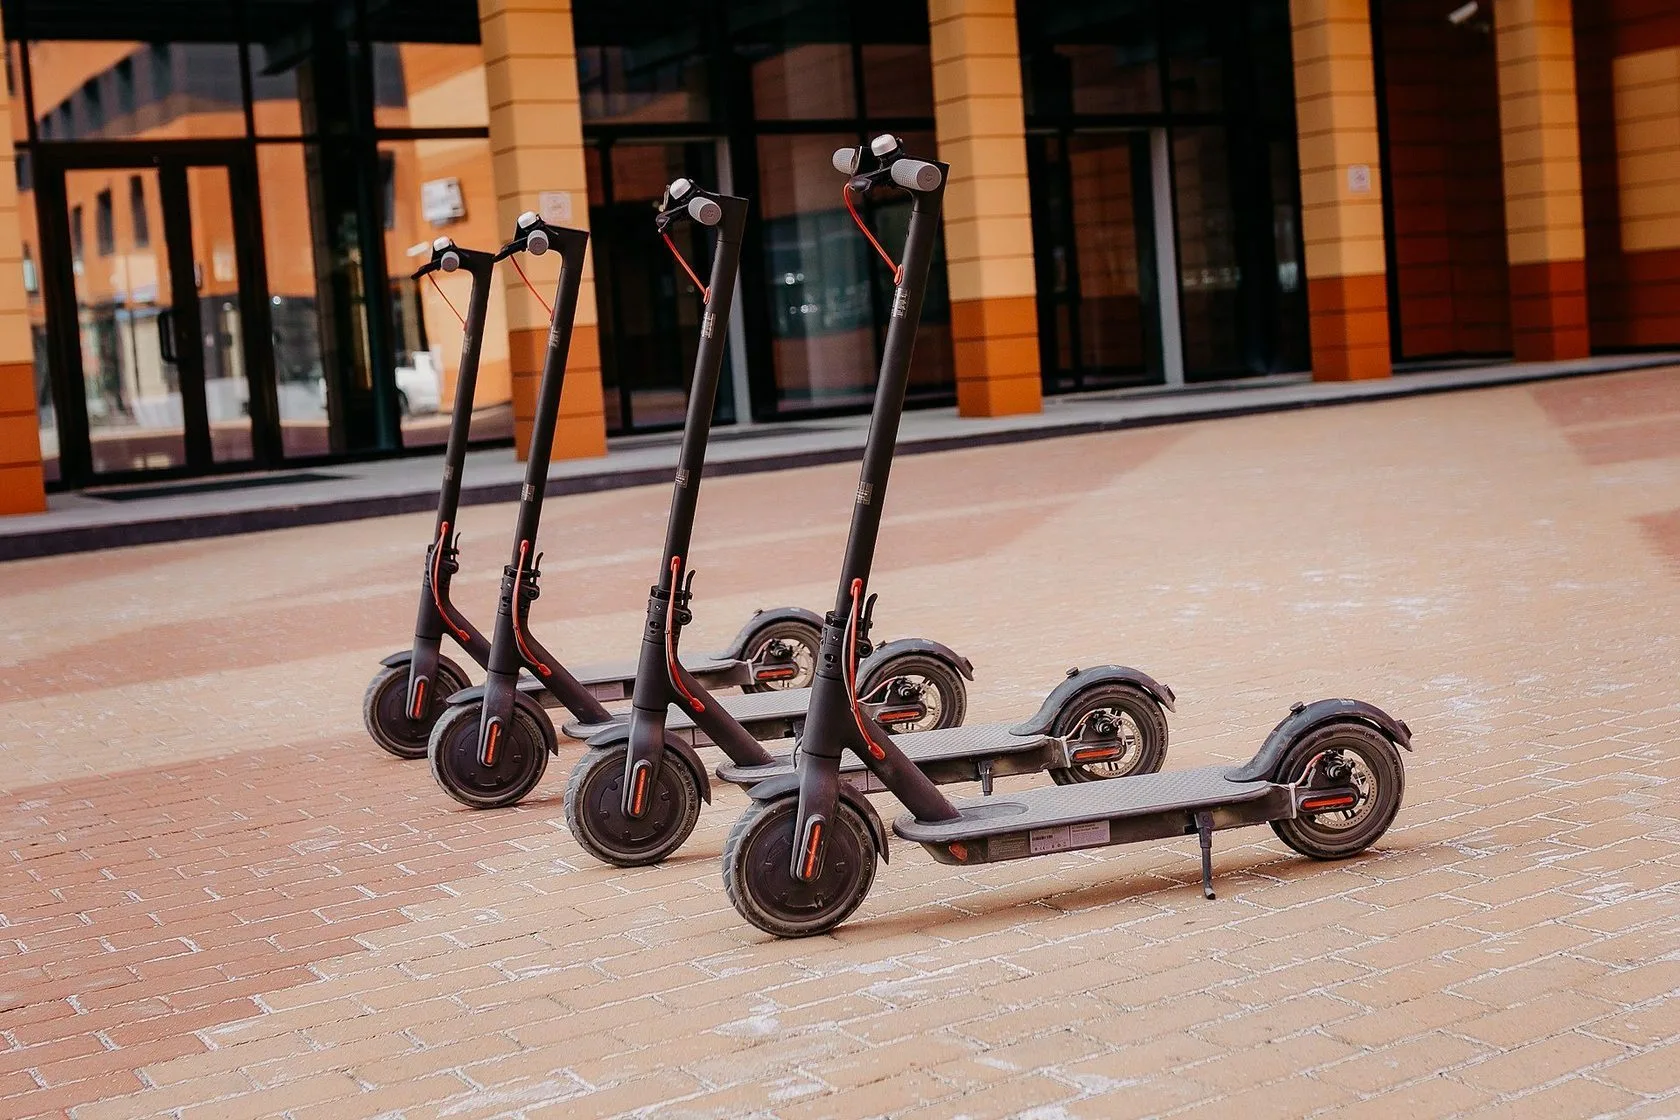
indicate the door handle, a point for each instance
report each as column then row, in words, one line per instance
column 166, row 335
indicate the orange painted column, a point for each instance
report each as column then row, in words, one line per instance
column 21, row 486
column 988, row 211
column 1341, row 189
column 536, row 145
column 1540, row 140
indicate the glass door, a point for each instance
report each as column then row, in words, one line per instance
column 154, row 321
column 1094, row 241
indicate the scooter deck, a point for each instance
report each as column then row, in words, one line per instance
column 1050, row 818
column 950, row 750
column 748, row 708
column 612, row 680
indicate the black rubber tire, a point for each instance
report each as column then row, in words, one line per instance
column 757, row 881
column 1387, row 778
column 385, row 708
column 595, row 815
column 1144, row 710
column 789, row 630
column 453, row 751
column 938, row 674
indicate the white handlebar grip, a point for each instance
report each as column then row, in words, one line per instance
column 915, row 175
column 536, row 242
column 705, row 211
column 450, row 261
column 679, row 188
column 884, row 144
column 528, row 219
column 442, row 243
column 846, row 161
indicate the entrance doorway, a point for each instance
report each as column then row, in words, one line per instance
column 1104, row 251
column 157, row 314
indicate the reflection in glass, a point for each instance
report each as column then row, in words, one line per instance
column 129, row 345
column 633, row 69
column 426, row 330
column 800, row 56
column 1210, row 272
column 98, row 90
column 227, row 387
column 294, row 318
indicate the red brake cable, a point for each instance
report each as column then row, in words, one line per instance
column 532, row 287
column 897, row 269
column 437, row 595
column 875, row 748
column 673, row 667
column 459, row 318
column 518, row 633
column 705, row 292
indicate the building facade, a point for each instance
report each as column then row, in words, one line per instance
column 206, row 248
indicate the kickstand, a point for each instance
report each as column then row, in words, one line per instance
column 985, row 777
column 1204, row 832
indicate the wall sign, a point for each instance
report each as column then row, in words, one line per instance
column 441, row 201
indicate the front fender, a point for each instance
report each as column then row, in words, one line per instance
column 402, row 657
column 619, row 734
column 736, row 650
column 899, row 647
column 1043, row 721
column 783, row 785
column 465, row 696
column 1304, row 718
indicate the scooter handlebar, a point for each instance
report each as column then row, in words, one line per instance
column 886, row 151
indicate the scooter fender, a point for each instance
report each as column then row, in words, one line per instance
column 736, row 650
column 475, row 695
column 899, row 647
column 465, row 696
column 403, row 657
column 1305, row 718
column 1043, row 721
column 619, row 734
column 783, row 785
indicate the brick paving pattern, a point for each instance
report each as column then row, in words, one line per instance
column 217, row 898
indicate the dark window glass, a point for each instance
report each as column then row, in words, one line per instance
column 190, row 90
column 163, row 70
column 125, row 86
column 138, row 217
column 92, row 105
column 76, row 234
column 1196, row 46
column 104, row 223
column 799, row 57
column 1091, row 57
column 631, row 68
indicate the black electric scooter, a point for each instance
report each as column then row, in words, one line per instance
column 635, row 796
column 1328, row 779
column 775, row 650
column 490, row 747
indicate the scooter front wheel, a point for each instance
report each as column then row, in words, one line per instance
column 757, row 876
column 521, row 756
column 385, row 707
column 595, row 809
column 931, row 680
column 1119, row 728
column 1360, row 756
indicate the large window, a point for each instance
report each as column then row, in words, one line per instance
column 1143, row 110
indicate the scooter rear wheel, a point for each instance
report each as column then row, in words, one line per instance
column 595, row 809
column 521, row 756
column 943, row 692
column 1374, row 769
column 385, row 708
column 802, row 641
column 1140, row 726
column 759, row 854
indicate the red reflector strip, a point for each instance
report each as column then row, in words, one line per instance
column 901, row 715
column 641, row 790
column 490, row 745
column 1341, row 801
column 419, row 699
column 811, row 850
column 958, row 850
column 1092, row 754
column 786, row 673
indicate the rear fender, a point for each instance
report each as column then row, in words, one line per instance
column 1306, row 718
column 783, row 785
column 737, row 648
column 1043, row 721
column 889, row 651
column 619, row 735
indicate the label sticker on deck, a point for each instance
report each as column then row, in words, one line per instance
column 1007, row 847
column 1067, row 837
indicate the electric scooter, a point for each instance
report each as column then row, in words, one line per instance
column 490, row 747
column 775, row 650
column 1328, row 779
column 635, row 796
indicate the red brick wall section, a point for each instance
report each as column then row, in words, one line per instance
column 1349, row 327
column 995, row 344
column 1549, row 310
column 1440, row 86
column 1633, row 299
column 21, row 487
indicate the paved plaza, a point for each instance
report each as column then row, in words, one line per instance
column 218, row 898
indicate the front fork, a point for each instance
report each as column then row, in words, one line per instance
column 442, row 562
column 501, row 675
column 644, row 750
column 829, row 729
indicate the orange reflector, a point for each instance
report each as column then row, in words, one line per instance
column 1342, row 801
column 1092, row 754
column 811, row 850
column 641, row 790
column 783, row 674
column 419, row 699
column 490, row 744
column 900, row 715
column 959, row 850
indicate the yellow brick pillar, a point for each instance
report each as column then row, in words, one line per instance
column 988, row 210
column 536, row 145
column 1341, row 189
column 1545, row 235
column 21, row 486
